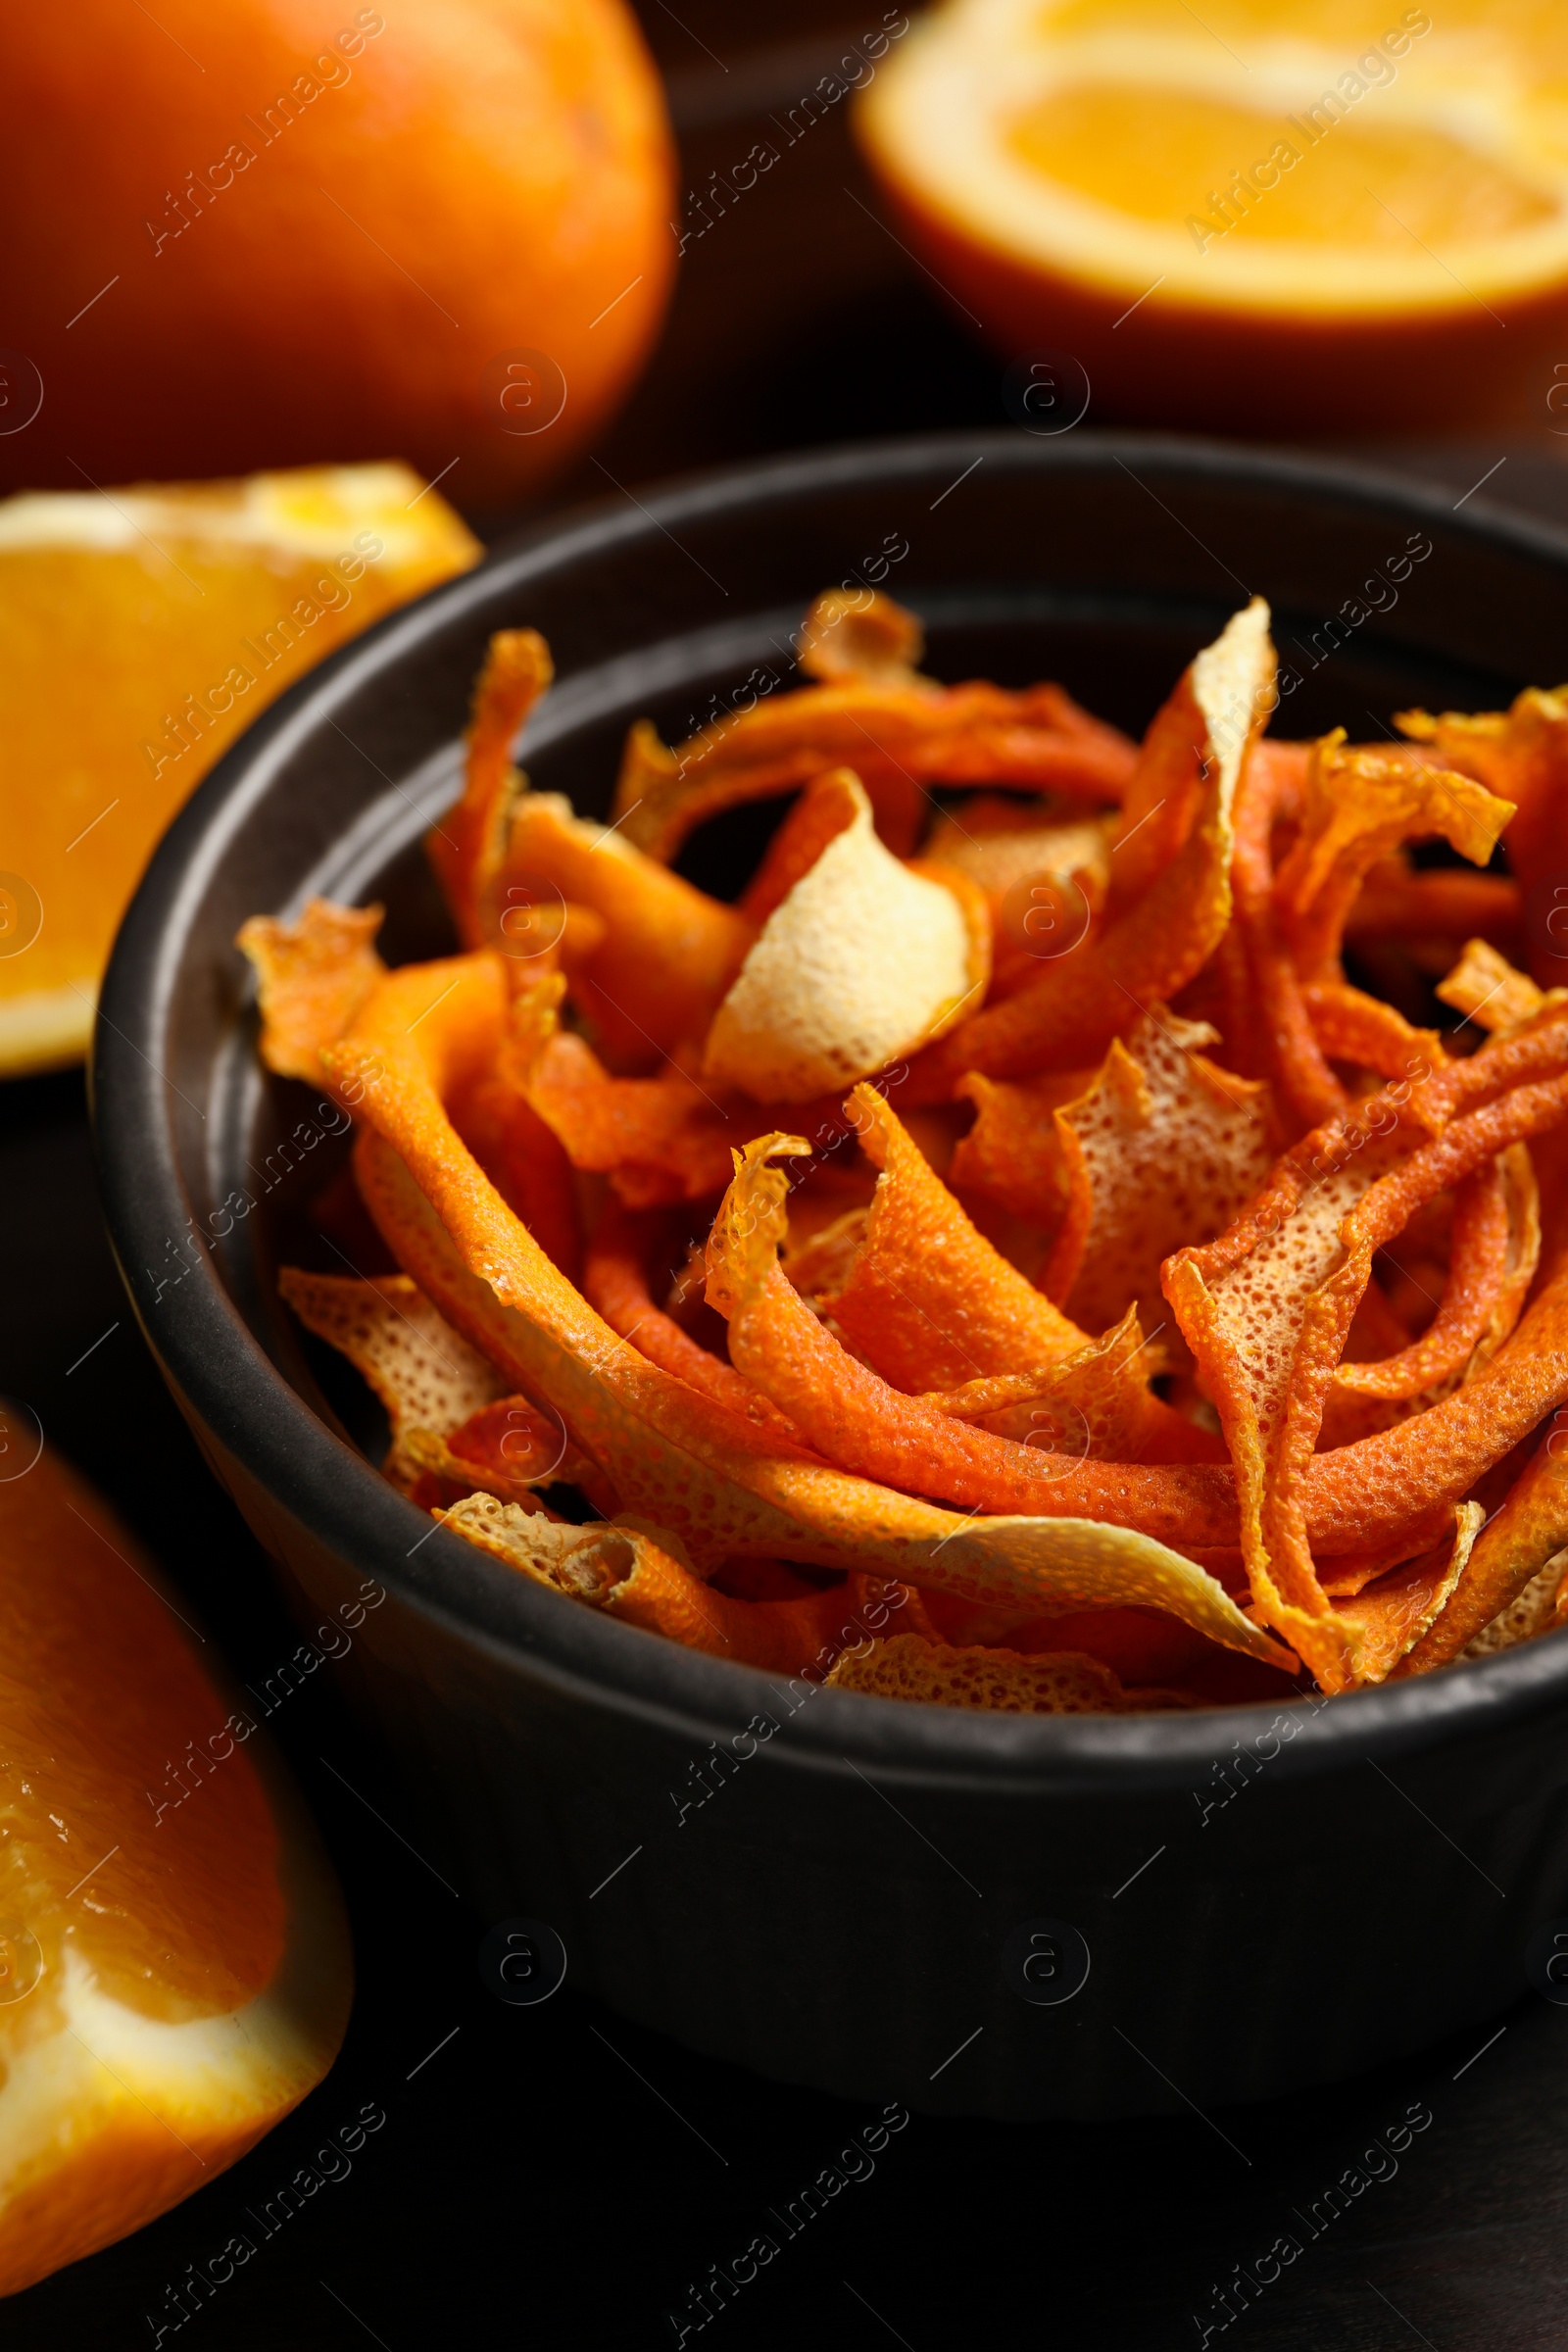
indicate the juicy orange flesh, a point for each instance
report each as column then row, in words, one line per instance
column 104, row 648
column 101, row 1691
column 1536, row 28
column 1161, row 156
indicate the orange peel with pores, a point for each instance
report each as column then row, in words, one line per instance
column 1268, row 1308
column 1160, row 940
column 1163, row 1150
column 929, row 1301
column 1359, row 806
column 311, row 979
column 425, row 1373
column 1278, row 1042
column 880, row 1402
column 932, row 1305
column 1054, row 1683
column 643, row 1575
column 863, row 963
column 1530, row 1529
column 1494, row 1248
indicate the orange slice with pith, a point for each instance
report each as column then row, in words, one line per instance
column 174, row 1971
column 1256, row 213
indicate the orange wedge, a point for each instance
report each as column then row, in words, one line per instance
column 174, row 1971
column 1256, row 214
column 143, row 630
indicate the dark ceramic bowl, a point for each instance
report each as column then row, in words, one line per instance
column 847, row 1901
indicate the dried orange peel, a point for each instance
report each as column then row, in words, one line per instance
column 1161, row 940
column 898, row 732
column 862, row 962
column 1159, row 1311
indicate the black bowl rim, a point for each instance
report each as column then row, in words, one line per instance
column 237, row 1393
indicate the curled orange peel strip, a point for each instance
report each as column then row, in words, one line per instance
column 527, row 1162
column 859, row 634
column 660, row 1139
column 930, row 1303
column 311, row 978
column 854, row 1417
column 1350, row 1026
column 1268, row 1308
column 1359, row 806
column 615, row 1283
column 1478, row 1268
column 1164, row 794
column 1528, row 1530
column 642, row 1575
column 667, row 951
column 827, row 808
column 898, row 732
column 1390, row 1616
column 466, row 848
column 678, row 1460
column 1522, row 756
column 928, row 1300
column 1272, row 790
column 1488, row 990
column 1084, row 998
column 425, row 1373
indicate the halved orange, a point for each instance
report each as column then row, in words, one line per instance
column 143, row 630
column 1256, row 214
column 174, row 1970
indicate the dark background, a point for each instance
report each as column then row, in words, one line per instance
column 551, row 2175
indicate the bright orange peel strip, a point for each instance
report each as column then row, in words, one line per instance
column 1084, row 998
column 466, row 849
column 312, row 977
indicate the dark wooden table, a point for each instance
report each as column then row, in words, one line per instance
column 551, row 2175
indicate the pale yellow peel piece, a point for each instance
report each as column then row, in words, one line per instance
column 1163, row 1150
column 998, row 1681
column 864, row 962
column 428, row 1377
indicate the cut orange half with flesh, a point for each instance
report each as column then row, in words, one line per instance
column 174, row 1971
column 1264, row 213
column 142, row 630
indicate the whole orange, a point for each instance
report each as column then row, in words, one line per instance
column 300, row 230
